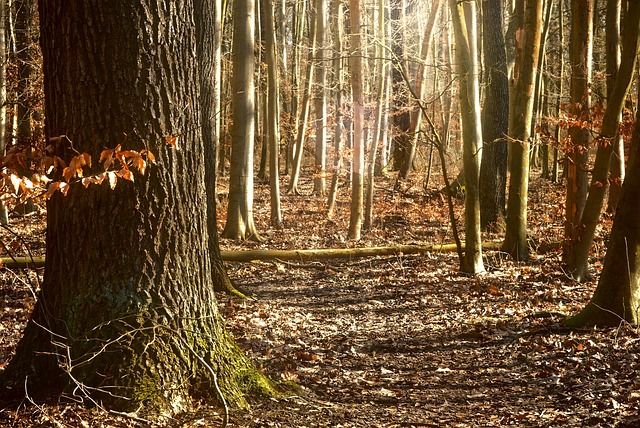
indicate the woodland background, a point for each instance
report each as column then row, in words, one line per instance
column 502, row 128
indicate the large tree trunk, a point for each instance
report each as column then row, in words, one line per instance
column 127, row 313
column 240, row 224
column 528, row 15
column 495, row 118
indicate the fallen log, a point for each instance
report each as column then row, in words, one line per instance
column 343, row 253
column 22, row 262
column 300, row 255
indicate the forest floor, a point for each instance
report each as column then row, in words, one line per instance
column 396, row 341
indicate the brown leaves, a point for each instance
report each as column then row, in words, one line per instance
column 117, row 163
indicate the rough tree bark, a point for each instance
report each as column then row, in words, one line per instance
column 495, row 118
column 126, row 312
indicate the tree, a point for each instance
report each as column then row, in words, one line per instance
column 401, row 116
column 495, row 117
column 415, row 115
column 580, row 58
column 273, row 114
column 4, row 212
column 338, row 83
column 126, row 315
column 381, row 72
column 357, row 87
column 465, row 31
column 207, row 18
column 617, row 296
column 579, row 260
column 320, row 99
column 240, row 224
column 528, row 15
column 26, row 39
column 617, row 172
column 303, row 115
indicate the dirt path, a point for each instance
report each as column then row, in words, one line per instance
column 401, row 341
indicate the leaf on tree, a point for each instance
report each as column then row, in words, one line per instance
column 139, row 163
column 113, row 179
column 55, row 186
column 15, row 181
column 149, row 155
column 106, row 158
column 172, row 141
column 126, row 174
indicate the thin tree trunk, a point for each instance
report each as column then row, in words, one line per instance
column 207, row 22
column 528, row 15
column 273, row 114
column 381, row 65
column 617, row 172
column 304, row 115
column 357, row 85
column 4, row 212
column 319, row 181
column 240, row 224
column 617, row 296
column 558, row 129
column 465, row 31
column 579, row 261
column 580, row 56
column 415, row 117
column 401, row 116
column 338, row 135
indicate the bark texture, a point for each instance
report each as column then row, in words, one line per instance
column 126, row 314
column 495, row 117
